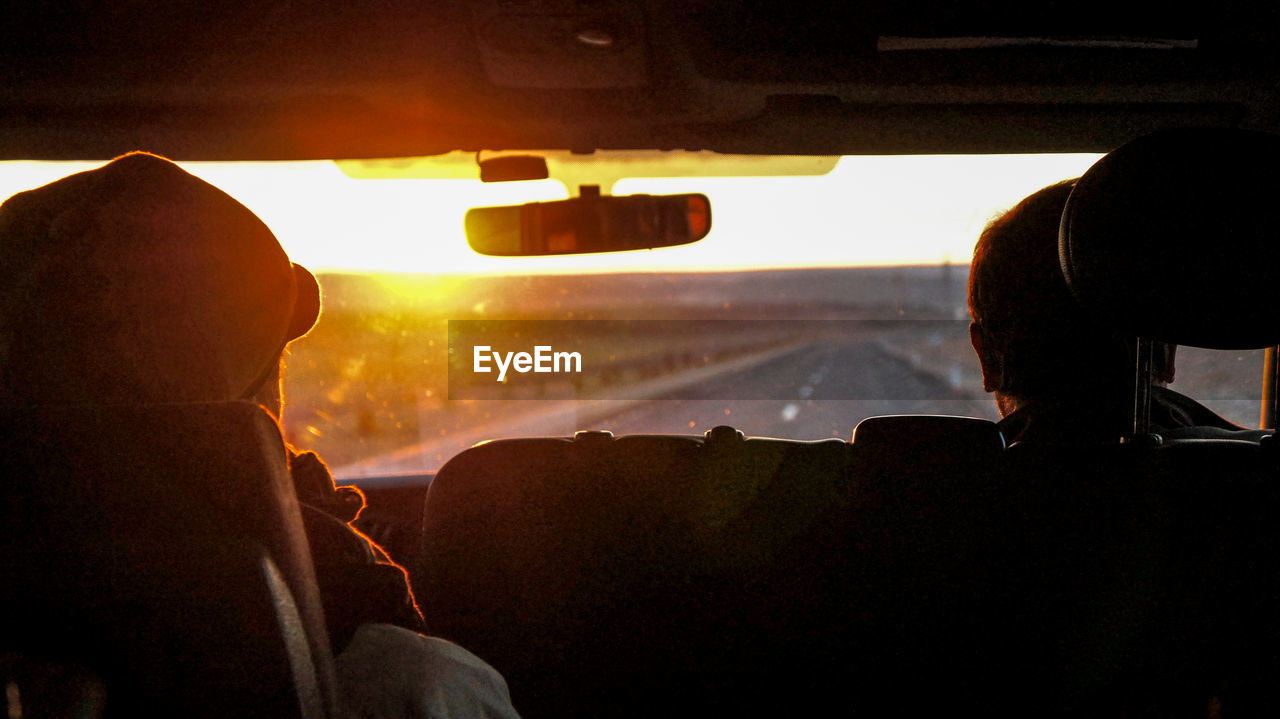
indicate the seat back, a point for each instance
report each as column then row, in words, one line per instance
column 156, row 554
column 1137, row 579
column 628, row 576
column 921, row 568
column 623, row 577
column 910, row 606
column 1147, row 565
column 1056, row 579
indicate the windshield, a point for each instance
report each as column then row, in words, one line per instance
column 816, row 301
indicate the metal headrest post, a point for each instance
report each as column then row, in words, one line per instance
column 1141, row 414
column 1270, row 395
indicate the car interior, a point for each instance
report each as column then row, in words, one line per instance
column 899, row 556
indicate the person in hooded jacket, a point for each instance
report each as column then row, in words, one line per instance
column 139, row 283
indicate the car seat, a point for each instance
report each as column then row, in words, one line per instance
column 1132, row 578
column 624, row 576
column 1147, row 567
column 154, row 564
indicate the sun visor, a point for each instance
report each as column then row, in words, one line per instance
column 1176, row 237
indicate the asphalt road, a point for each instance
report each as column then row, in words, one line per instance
column 819, row 390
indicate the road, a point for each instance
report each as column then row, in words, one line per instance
column 818, row 390
column 810, row 391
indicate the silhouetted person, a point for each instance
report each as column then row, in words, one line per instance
column 1057, row 375
column 139, row 283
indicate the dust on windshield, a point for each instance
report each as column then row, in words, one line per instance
column 816, row 302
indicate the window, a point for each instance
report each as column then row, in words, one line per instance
column 816, row 301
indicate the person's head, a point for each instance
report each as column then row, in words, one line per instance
column 139, row 283
column 1031, row 337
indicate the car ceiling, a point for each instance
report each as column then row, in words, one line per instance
column 331, row 79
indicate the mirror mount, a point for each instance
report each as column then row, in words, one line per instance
column 512, row 168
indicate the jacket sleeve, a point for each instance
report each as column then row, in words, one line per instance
column 359, row 583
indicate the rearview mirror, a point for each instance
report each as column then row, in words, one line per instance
column 589, row 224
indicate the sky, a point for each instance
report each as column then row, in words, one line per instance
column 869, row 210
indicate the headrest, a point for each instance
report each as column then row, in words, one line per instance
column 171, row 460
column 139, row 282
column 1176, row 237
column 928, row 435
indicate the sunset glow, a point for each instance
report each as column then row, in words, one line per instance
column 881, row 210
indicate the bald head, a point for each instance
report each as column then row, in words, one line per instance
column 139, row 282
